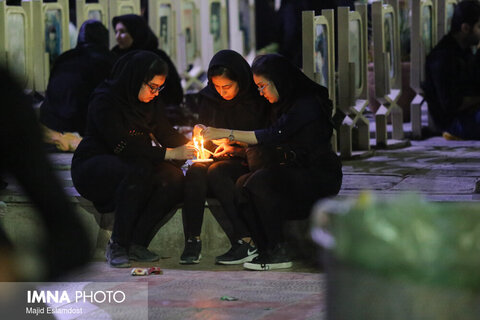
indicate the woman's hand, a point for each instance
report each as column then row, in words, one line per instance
column 211, row 133
column 228, row 150
column 224, row 150
column 197, row 129
column 184, row 152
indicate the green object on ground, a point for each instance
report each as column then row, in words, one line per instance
column 228, row 298
column 406, row 237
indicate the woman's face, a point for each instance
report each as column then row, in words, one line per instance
column 150, row 90
column 225, row 87
column 124, row 39
column 266, row 88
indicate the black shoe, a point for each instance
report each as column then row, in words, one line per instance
column 239, row 253
column 141, row 254
column 191, row 254
column 117, row 255
column 277, row 258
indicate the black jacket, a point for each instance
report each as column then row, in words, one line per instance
column 119, row 124
column 74, row 77
column 450, row 75
column 302, row 117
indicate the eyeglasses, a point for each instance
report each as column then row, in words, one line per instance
column 153, row 89
column 260, row 89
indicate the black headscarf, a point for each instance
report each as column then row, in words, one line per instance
column 92, row 32
column 143, row 37
column 290, row 82
column 124, row 83
column 239, row 112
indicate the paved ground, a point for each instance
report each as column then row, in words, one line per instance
column 440, row 170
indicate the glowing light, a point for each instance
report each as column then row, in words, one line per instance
column 201, row 151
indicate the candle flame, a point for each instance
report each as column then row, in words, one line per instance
column 201, row 154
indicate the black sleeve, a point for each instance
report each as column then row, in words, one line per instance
column 121, row 138
column 303, row 112
column 166, row 134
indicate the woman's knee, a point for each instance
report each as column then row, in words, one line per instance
column 259, row 181
column 216, row 172
column 197, row 172
column 169, row 177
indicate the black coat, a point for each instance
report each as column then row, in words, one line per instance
column 302, row 117
column 450, row 75
column 74, row 76
column 119, row 124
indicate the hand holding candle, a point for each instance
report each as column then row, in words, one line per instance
column 203, row 154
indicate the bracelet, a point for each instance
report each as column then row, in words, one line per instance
column 231, row 137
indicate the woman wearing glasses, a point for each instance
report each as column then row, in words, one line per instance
column 133, row 33
column 302, row 168
column 230, row 100
column 121, row 166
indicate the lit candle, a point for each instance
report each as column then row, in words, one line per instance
column 195, row 143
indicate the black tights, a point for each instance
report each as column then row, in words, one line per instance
column 217, row 180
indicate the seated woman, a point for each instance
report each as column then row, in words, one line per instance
column 121, row 164
column 74, row 76
column 133, row 33
column 303, row 168
column 230, row 100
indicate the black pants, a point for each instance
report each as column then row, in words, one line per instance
column 217, row 180
column 142, row 194
column 268, row 197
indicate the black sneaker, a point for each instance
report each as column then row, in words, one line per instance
column 271, row 260
column 141, row 254
column 239, row 253
column 191, row 254
column 117, row 255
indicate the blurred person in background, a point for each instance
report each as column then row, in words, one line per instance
column 74, row 76
column 451, row 85
column 65, row 246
